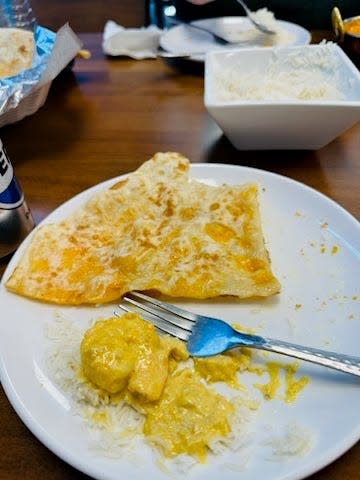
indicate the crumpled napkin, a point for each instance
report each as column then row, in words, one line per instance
column 138, row 43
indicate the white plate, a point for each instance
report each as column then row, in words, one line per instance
column 301, row 228
column 182, row 39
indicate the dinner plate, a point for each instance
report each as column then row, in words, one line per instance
column 181, row 38
column 314, row 248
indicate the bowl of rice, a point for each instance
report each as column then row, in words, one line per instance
column 282, row 98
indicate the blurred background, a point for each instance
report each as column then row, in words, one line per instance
column 54, row 13
column 315, row 14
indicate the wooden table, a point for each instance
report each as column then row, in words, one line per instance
column 105, row 118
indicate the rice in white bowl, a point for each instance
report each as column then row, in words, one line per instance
column 309, row 74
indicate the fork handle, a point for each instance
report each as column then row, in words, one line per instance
column 337, row 361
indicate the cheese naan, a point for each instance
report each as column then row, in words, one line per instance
column 155, row 230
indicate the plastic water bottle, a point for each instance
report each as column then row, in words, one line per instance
column 15, row 217
column 17, row 13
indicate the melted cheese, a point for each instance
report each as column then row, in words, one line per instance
column 155, row 230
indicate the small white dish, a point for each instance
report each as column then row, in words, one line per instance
column 270, row 122
column 239, row 29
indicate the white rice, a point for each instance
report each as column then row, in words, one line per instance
column 310, row 74
column 294, row 441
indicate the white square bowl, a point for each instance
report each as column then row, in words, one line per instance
column 282, row 124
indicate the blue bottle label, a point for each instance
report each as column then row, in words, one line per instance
column 11, row 195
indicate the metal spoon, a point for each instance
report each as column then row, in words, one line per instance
column 256, row 23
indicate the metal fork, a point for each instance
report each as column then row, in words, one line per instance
column 206, row 336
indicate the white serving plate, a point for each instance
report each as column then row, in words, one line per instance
column 181, row 39
column 301, row 229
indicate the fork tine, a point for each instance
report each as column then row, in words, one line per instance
column 193, row 317
column 177, row 321
column 161, row 323
column 164, row 314
column 126, row 309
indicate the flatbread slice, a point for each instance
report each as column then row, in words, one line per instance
column 155, row 230
column 17, row 48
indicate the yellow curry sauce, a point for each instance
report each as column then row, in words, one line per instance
column 292, row 386
column 223, row 367
column 187, row 417
column 126, row 358
column 126, row 353
column 182, row 415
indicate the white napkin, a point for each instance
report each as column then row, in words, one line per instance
column 136, row 43
column 66, row 46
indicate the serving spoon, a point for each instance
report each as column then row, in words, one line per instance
column 260, row 26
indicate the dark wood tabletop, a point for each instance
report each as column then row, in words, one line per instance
column 105, row 117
